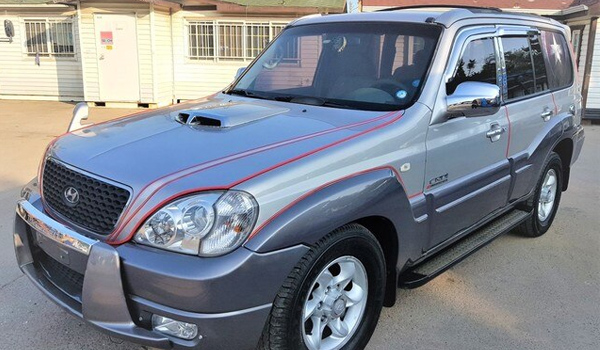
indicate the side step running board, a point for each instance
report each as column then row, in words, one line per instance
column 442, row 261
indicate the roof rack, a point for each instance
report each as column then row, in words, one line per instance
column 474, row 9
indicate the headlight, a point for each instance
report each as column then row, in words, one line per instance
column 206, row 224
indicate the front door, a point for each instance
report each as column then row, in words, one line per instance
column 468, row 174
column 116, row 42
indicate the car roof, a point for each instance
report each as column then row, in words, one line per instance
column 446, row 16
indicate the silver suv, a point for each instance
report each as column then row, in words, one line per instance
column 357, row 154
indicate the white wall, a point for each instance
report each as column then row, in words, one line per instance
column 20, row 77
column 163, row 55
column 593, row 100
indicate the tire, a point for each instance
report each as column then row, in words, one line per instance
column 350, row 245
column 543, row 216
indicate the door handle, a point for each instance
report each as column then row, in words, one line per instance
column 547, row 114
column 495, row 132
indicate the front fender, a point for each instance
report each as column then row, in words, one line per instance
column 374, row 193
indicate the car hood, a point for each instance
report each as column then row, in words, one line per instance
column 153, row 146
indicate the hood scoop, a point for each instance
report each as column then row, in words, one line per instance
column 191, row 119
column 227, row 115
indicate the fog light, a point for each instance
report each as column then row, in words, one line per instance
column 175, row 328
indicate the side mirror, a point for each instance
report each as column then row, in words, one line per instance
column 474, row 99
column 80, row 112
column 9, row 30
column 239, row 72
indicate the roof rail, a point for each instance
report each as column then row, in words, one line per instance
column 474, row 9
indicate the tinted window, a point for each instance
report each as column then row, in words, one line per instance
column 558, row 60
column 519, row 68
column 478, row 63
column 539, row 66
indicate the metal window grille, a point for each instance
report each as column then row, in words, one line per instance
column 49, row 37
column 257, row 37
column 232, row 40
column 231, row 44
column 201, row 40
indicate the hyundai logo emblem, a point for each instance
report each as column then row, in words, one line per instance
column 71, row 195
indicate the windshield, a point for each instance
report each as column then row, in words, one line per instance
column 371, row 66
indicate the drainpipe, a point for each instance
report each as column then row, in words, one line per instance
column 80, row 51
column 589, row 61
column 153, row 54
column 173, row 100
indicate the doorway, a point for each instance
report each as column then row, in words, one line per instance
column 118, row 65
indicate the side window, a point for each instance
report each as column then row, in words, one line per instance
column 478, row 63
column 539, row 66
column 558, row 60
column 519, row 67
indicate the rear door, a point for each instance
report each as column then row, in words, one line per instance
column 530, row 79
column 468, row 174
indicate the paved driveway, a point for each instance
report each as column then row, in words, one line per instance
column 514, row 294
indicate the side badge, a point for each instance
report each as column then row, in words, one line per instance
column 438, row 180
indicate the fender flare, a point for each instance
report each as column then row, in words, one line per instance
column 373, row 193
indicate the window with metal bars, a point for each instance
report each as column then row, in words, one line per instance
column 49, row 37
column 232, row 40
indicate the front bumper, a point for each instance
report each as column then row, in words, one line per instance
column 113, row 290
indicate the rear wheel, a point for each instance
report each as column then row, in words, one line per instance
column 333, row 297
column 546, row 199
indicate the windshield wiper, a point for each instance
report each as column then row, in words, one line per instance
column 306, row 100
column 251, row 94
column 318, row 101
column 246, row 93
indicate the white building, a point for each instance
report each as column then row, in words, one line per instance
column 157, row 52
column 145, row 52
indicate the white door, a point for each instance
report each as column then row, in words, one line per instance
column 118, row 69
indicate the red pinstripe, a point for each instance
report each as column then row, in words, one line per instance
column 311, row 192
column 377, row 127
column 555, row 105
column 509, row 131
column 240, row 155
column 232, row 157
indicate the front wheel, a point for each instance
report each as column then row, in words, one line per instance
column 333, row 297
column 546, row 199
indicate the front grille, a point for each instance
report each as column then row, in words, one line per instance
column 65, row 279
column 98, row 206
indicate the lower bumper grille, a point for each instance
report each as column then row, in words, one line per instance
column 65, row 279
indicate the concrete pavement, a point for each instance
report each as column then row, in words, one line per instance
column 516, row 293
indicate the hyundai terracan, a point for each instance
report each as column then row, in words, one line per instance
column 357, row 154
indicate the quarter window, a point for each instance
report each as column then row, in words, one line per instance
column 49, row 37
column 558, row 60
column 478, row 63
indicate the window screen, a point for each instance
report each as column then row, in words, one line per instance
column 558, row 60
column 478, row 63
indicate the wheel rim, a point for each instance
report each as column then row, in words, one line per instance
column 547, row 195
column 335, row 304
